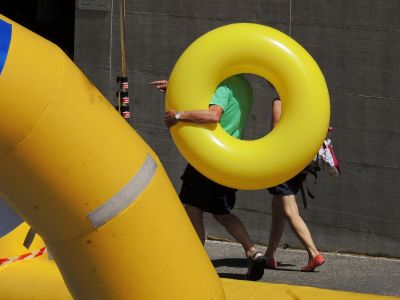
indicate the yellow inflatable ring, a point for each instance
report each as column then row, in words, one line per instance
column 266, row 52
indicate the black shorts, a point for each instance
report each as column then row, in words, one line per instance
column 290, row 187
column 203, row 193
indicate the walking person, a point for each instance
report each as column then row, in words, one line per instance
column 230, row 106
column 284, row 208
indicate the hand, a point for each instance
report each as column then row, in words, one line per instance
column 161, row 85
column 169, row 118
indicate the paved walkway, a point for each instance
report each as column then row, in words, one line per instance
column 343, row 272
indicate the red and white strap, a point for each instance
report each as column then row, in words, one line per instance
column 5, row 261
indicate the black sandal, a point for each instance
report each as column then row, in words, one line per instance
column 256, row 267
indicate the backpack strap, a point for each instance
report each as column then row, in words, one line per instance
column 303, row 194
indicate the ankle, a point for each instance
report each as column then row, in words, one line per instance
column 270, row 253
column 312, row 253
column 253, row 252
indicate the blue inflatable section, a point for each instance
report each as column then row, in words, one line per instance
column 5, row 39
column 9, row 219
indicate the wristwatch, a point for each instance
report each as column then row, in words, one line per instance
column 177, row 115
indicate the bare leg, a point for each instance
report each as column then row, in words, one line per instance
column 277, row 226
column 297, row 224
column 236, row 228
column 196, row 217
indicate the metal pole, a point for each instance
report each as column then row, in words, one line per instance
column 123, row 97
column 122, row 29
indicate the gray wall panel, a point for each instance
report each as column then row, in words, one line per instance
column 356, row 44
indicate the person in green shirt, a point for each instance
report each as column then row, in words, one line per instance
column 230, row 106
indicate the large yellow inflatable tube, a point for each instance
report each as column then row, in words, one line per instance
column 260, row 50
column 89, row 185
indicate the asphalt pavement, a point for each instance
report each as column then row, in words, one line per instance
column 343, row 272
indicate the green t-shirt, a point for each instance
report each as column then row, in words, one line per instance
column 235, row 96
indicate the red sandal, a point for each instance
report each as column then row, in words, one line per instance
column 271, row 263
column 315, row 262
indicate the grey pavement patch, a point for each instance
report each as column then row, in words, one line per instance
column 344, row 272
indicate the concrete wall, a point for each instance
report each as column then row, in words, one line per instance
column 357, row 45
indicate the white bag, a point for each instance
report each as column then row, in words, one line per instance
column 327, row 160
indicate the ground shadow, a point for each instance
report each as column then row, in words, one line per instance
column 243, row 263
column 230, row 262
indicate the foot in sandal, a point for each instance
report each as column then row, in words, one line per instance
column 271, row 263
column 315, row 262
column 256, row 266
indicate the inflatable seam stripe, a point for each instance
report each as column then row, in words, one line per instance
column 126, row 196
column 41, row 251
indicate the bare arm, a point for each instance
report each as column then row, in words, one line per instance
column 276, row 112
column 212, row 115
column 161, row 85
